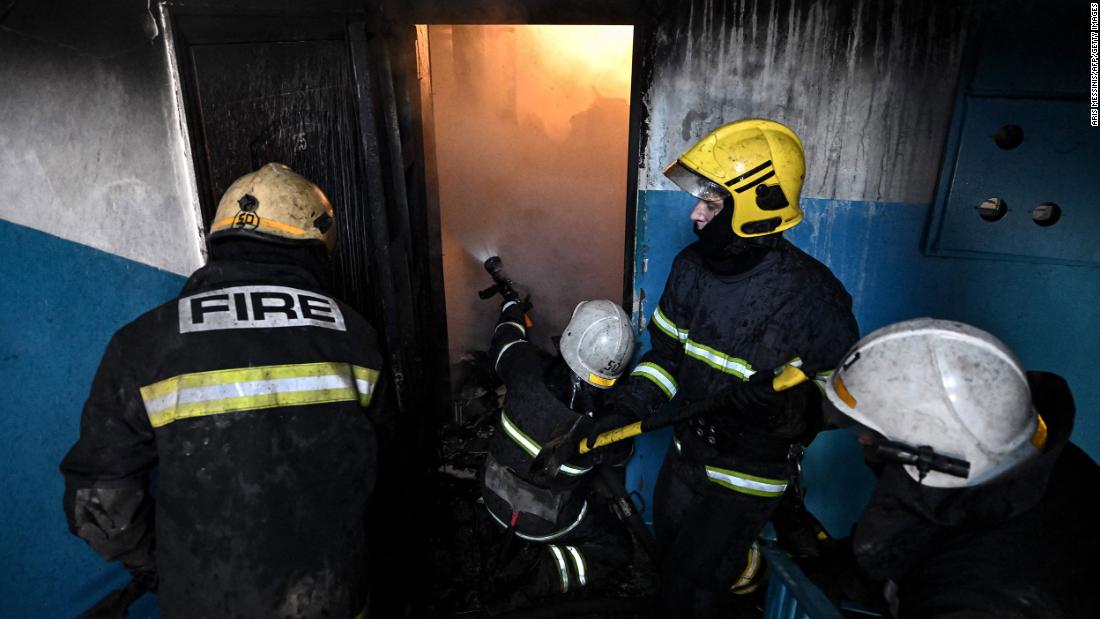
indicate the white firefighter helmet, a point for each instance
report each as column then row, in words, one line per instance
column 275, row 203
column 945, row 385
column 598, row 342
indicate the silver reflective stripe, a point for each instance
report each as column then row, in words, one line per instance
column 676, row 443
column 668, row 327
column 719, row 361
column 251, row 388
column 544, row 538
column 514, row 324
column 507, row 305
column 562, row 568
column 578, row 560
column 658, row 375
column 254, row 388
column 496, row 364
column 573, row 470
column 745, row 483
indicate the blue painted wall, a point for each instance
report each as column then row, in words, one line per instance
column 871, row 89
column 60, row 302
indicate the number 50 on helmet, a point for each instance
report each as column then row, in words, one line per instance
column 275, row 204
column 758, row 164
column 598, row 342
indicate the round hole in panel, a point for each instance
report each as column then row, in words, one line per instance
column 993, row 209
column 1046, row 214
column 1009, row 136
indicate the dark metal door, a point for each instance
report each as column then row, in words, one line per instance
column 316, row 92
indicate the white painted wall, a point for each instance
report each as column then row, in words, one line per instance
column 91, row 148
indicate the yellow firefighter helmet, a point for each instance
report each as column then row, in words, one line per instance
column 275, row 203
column 757, row 162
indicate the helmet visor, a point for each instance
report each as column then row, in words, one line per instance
column 695, row 184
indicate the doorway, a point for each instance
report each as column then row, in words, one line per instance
column 530, row 129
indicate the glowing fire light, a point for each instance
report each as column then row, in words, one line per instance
column 572, row 66
column 601, row 50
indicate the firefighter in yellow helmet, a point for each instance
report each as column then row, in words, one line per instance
column 739, row 304
column 252, row 394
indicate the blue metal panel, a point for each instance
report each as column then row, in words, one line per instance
column 1056, row 162
column 790, row 594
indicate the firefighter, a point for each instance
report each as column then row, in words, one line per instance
column 561, row 536
column 738, row 303
column 252, row 396
column 979, row 508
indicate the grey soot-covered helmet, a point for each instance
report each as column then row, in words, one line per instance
column 944, row 385
column 598, row 342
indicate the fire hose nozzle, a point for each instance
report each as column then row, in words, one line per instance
column 494, row 266
column 501, row 284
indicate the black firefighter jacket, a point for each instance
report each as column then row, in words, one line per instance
column 711, row 331
column 1023, row 545
column 250, row 396
column 533, row 414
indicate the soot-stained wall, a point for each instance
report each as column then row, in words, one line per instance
column 870, row 88
column 97, row 225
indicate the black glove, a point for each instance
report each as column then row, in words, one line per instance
column 755, row 395
column 612, row 418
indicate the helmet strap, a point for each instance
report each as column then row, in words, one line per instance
column 581, row 398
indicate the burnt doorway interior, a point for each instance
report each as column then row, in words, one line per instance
column 527, row 131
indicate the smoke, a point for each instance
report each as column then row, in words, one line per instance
column 531, row 128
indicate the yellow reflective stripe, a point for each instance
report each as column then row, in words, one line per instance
column 242, row 389
column 719, row 360
column 748, row 575
column 529, row 445
column 745, row 483
column 562, row 568
column 365, row 381
column 525, row 442
column 578, row 560
column 658, row 375
column 668, row 327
